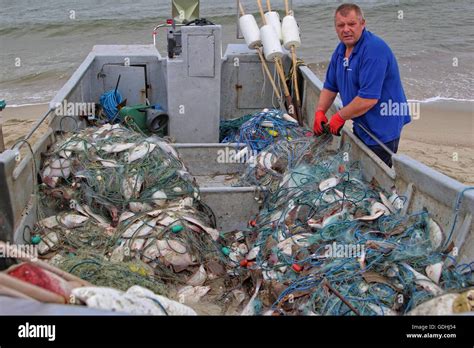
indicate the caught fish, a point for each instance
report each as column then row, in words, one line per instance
column 86, row 211
column 373, row 277
column 384, row 247
column 328, row 197
column 159, row 198
column 125, row 216
column 138, row 207
column 209, row 230
column 342, row 216
column 252, row 254
column 76, row 146
column 314, row 224
column 140, row 151
column 186, row 202
column 234, row 256
column 328, row 184
column 434, row 271
column 436, row 234
column 140, row 229
column 48, row 242
column 448, row 304
column 72, row 220
column 381, row 310
column 167, row 148
column 59, row 168
column 242, row 249
column 65, row 154
column 174, row 253
column 339, row 194
column 117, row 148
column 136, row 244
column 386, row 202
column 376, row 207
column 118, row 254
column 198, row 278
column 424, row 281
column 49, row 222
column 167, row 220
column 396, row 200
column 108, row 163
column 372, row 217
column 250, row 307
column 132, row 186
column 300, row 240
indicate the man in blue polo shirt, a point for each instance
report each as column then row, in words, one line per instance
column 364, row 71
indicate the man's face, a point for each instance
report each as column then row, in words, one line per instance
column 349, row 28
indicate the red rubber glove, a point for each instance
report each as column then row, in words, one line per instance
column 336, row 124
column 319, row 119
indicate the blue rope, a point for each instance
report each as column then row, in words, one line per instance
column 109, row 101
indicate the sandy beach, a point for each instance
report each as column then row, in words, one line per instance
column 18, row 121
column 442, row 137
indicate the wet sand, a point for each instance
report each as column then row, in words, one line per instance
column 442, row 137
column 18, row 121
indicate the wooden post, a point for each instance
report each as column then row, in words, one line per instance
column 269, row 6
column 241, row 7
column 262, row 14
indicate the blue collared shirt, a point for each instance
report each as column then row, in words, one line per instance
column 371, row 72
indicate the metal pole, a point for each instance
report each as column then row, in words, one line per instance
column 35, row 127
column 377, row 140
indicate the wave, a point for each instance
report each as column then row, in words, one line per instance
column 90, row 26
column 439, row 98
column 79, row 26
column 55, row 74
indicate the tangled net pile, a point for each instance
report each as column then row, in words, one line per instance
column 262, row 129
column 329, row 243
column 119, row 209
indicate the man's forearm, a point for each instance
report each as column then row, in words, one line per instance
column 325, row 100
column 357, row 107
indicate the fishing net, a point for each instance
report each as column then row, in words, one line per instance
column 118, row 208
column 261, row 129
column 335, row 243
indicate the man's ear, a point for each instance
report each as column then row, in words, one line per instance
column 363, row 23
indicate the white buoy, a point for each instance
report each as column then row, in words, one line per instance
column 290, row 32
column 271, row 44
column 249, row 28
column 273, row 18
